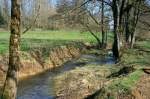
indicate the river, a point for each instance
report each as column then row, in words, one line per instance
column 41, row 86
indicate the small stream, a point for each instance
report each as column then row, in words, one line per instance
column 41, row 86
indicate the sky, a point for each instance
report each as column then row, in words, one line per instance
column 54, row 1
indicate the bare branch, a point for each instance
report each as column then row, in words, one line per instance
column 92, row 33
column 93, row 18
column 80, row 6
column 29, row 27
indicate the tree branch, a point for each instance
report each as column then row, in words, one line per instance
column 29, row 27
column 93, row 34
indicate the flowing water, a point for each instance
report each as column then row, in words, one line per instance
column 41, row 86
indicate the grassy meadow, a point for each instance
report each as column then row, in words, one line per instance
column 47, row 39
column 36, row 39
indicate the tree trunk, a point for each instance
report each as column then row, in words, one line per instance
column 118, row 15
column 102, row 26
column 127, row 27
column 135, row 21
column 132, row 16
column 10, row 86
column 132, row 40
column 116, row 36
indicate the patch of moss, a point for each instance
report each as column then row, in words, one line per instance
column 125, row 84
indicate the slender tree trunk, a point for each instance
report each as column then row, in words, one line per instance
column 127, row 27
column 121, row 23
column 102, row 26
column 10, row 86
column 132, row 16
column 106, row 38
column 135, row 21
column 132, row 40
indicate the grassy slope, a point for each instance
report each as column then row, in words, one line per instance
column 136, row 58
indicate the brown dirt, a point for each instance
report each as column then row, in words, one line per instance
column 143, row 87
column 141, row 90
column 34, row 62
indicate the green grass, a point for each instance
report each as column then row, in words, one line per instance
column 125, row 84
column 144, row 44
column 3, row 48
column 53, row 35
column 48, row 39
column 58, row 35
column 136, row 58
column 131, row 57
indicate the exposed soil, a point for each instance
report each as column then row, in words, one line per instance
column 141, row 90
column 36, row 62
column 143, row 87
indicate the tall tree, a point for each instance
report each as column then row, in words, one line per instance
column 119, row 7
column 132, row 20
column 116, row 46
column 102, row 26
column 10, row 86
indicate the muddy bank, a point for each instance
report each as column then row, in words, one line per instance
column 39, row 60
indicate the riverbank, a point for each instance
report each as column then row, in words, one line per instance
column 113, row 81
column 41, row 60
column 43, row 86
